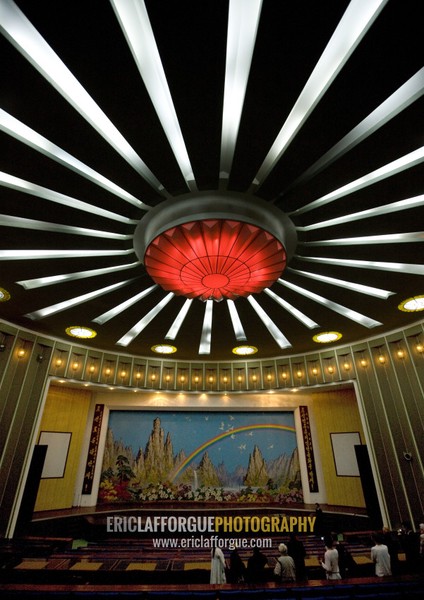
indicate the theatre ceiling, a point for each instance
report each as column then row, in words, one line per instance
column 284, row 132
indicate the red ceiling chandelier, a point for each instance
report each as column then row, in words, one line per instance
column 215, row 259
column 213, row 246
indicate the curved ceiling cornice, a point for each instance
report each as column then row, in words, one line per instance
column 314, row 110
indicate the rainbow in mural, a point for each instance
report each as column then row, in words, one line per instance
column 223, row 435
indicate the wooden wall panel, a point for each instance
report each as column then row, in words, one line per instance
column 66, row 410
column 337, row 412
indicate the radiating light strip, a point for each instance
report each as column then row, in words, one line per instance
column 334, row 306
column 235, row 320
column 397, row 166
column 142, row 324
column 26, row 187
column 206, row 337
column 357, row 19
column 243, row 21
column 31, row 138
column 66, row 304
column 41, row 254
column 367, row 264
column 348, row 285
column 388, row 238
column 300, row 316
column 117, row 310
column 278, row 336
column 403, row 97
column 176, row 325
column 415, row 202
column 33, row 224
column 30, row 284
column 25, row 38
column 135, row 23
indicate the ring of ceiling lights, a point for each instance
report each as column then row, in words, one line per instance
column 215, row 245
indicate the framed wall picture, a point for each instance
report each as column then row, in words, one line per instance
column 343, row 445
column 57, row 443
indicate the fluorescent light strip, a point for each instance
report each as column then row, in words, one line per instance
column 135, row 23
column 117, row 310
column 142, row 324
column 30, row 284
column 367, row 264
column 357, row 19
column 348, row 285
column 41, row 254
column 31, row 138
column 206, row 338
column 278, row 336
column 25, row 38
column 22, row 223
column 235, row 320
column 388, row 238
column 66, row 304
column 415, row 202
column 334, row 306
column 397, row 166
column 176, row 325
column 292, row 310
column 243, row 21
column 408, row 93
column 26, row 187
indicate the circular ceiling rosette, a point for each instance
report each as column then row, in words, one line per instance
column 215, row 259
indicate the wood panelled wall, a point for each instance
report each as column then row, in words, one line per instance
column 66, row 410
column 388, row 373
column 337, row 412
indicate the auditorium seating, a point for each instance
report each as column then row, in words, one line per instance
column 404, row 588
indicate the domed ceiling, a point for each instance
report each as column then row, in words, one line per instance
column 293, row 130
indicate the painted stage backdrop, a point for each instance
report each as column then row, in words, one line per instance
column 201, row 456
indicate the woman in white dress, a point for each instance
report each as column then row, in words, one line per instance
column 218, row 565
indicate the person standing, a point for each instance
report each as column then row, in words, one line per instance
column 256, row 566
column 237, row 570
column 390, row 540
column 296, row 549
column 421, row 547
column 410, row 543
column 319, row 521
column 330, row 564
column 381, row 557
column 218, row 566
column 285, row 569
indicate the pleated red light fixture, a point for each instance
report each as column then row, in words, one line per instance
column 215, row 259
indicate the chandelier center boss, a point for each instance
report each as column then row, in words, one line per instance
column 213, row 246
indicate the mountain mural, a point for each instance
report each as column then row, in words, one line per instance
column 158, row 463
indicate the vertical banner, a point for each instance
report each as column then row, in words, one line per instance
column 92, row 449
column 309, row 450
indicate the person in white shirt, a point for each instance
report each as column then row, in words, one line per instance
column 381, row 557
column 331, row 560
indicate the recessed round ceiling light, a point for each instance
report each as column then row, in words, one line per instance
column 244, row 350
column 414, row 304
column 164, row 349
column 327, row 337
column 80, row 331
column 4, row 295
